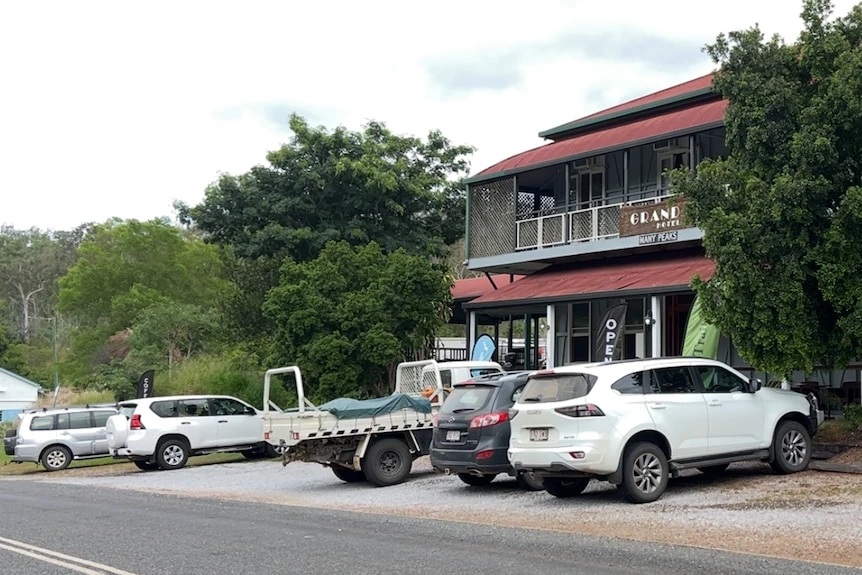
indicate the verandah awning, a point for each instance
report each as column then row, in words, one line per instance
column 614, row 278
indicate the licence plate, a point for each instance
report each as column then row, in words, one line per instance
column 453, row 436
column 538, row 435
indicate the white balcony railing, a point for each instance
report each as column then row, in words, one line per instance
column 587, row 225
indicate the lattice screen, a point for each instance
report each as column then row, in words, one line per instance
column 492, row 225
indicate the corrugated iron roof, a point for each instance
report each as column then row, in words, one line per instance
column 469, row 288
column 659, row 271
column 633, row 133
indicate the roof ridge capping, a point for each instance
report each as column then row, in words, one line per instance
column 674, row 95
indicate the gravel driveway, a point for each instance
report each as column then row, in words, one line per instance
column 812, row 516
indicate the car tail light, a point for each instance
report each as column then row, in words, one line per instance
column 489, row 419
column 588, row 410
column 485, row 454
column 136, row 422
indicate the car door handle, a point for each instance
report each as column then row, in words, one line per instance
column 657, row 405
column 185, row 423
column 714, row 403
column 222, row 420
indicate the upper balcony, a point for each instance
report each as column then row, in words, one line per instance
column 584, row 207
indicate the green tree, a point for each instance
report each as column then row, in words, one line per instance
column 356, row 186
column 175, row 330
column 122, row 269
column 350, row 316
column 31, row 261
column 782, row 216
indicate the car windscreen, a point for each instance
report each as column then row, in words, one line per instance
column 466, row 398
column 557, row 387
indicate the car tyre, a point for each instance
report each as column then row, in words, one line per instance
column 791, row 447
column 348, row 475
column 563, row 488
column 529, row 482
column 387, row 462
column 645, row 473
column 146, row 465
column 56, row 458
column 172, row 454
column 476, row 480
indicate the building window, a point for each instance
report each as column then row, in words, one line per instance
column 580, row 332
column 587, row 183
column 670, row 160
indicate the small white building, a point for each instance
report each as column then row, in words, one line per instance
column 16, row 393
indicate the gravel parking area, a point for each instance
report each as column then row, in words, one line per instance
column 810, row 516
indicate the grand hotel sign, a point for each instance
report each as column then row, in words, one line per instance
column 653, row 223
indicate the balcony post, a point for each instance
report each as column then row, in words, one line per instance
column 515, row 210
column 567, row 217
column 471, row 332
column 691, row 162
column 625, row 175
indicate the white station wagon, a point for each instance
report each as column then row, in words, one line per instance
column 637, row 423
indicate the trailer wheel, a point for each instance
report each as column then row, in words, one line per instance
column 387, row 462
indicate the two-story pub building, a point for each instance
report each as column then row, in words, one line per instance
column 587, row 222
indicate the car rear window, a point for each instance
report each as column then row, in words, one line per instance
column 128, row 409
column 558, row 387
column 466, row 398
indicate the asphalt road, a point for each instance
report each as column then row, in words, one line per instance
column 137, row 533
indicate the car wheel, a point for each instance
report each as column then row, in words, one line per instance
column 387, row 462
column 562, row 488
column 714, row 470
column 529, row 482
column 56, row 458
column 146, row 465
column 273, row 451
column 172, row 454
column 645, row 473
column 476, row 480
column 792, row 448
column 348, row 475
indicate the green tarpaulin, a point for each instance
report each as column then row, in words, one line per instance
column 701, row 338
column 346, row 408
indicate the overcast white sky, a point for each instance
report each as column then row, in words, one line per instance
column 119, row 108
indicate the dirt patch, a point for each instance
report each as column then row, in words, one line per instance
column 851, row 456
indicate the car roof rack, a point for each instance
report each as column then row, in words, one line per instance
column 46, row 409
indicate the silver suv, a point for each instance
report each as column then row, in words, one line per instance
column 56, row 436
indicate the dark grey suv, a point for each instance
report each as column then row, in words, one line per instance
column 471, row 430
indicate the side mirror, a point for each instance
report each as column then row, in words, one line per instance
column 755, row 384
column 250, row 411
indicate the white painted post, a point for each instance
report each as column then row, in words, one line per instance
column 550, row 336
column 655, row 309
column 471, row 332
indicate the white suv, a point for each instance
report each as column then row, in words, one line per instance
column 637, row 423
column 163, row 432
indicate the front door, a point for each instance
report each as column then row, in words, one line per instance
column 735, row 415
column 679, row 411
column 235, row 426
column 676, row 309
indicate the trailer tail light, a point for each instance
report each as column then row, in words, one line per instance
column 489, row 419
column 136, row 422
column 588, row 410
column 296, row 436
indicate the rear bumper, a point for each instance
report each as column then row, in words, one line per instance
column 596, row 461
column 463, row 461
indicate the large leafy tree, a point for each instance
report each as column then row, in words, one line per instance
column 127, row 268
column 340, row 185
column 351, row 315
column 782, row 216
column 371, row 185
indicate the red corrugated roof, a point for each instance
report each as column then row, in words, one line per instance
column 640, row 274
column 641, row 130
column 473, row 287
column 680, row 89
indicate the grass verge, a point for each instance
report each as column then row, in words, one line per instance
column 116, row 465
